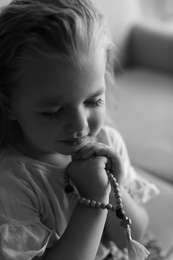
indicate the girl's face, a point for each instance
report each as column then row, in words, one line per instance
column 60, row 107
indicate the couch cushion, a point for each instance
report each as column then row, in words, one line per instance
column 145, row 119
column 151, row 46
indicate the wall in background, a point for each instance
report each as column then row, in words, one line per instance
column 4, row 2
column 161, row 10
column 121, row 14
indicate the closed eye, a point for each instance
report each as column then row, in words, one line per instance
column 95, row 103
column 52, row 115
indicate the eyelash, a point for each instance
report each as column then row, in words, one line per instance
column 52, row 115
column 95, row 103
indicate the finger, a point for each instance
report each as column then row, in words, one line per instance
column 92, row 150
column 108, row 165
column 80, row 153
column 110, row 153
column 114, row 163
column 101, row 161
column 87, row 154
column 88, row 150
column 103, row 151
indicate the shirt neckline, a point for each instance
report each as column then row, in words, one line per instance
column 34, row 162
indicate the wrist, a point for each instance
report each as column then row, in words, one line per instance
column 99, row 198
column 102, row 196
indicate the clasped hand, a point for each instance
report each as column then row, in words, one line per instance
column 88, row 170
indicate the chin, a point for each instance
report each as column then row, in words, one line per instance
column 68, row 150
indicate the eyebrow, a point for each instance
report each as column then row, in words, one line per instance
column 98, row 92
column 51, row 102
column 55, row 102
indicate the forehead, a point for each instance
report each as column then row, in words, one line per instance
column 48, row 79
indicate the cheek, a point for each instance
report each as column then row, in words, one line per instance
column 32, row 128
column 97, row 120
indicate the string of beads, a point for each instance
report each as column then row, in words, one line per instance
column 136, row 251
column 117, row 209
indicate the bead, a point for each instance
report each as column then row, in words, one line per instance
column 108, row 174
column 93, row 203
column 114, row 208
column 103, row 205
column 82, row 200
column 120, row 213
column 125, row 222
column 116, row 190
column 69, row 189
column 109, row 206
column 78, row 198
column 98, row 204
column 73, row 196
column 118, row 209
column 87, row 202
column 115, row 183
column 118, row 196
column 119, row 201
column 111, row 176
column 119, row 206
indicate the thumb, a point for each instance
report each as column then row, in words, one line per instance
column 108, row 164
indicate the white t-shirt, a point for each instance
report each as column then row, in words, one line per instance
column 34, row 208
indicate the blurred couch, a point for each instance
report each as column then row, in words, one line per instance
column 145, row 117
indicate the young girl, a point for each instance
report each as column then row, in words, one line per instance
column 54, row 69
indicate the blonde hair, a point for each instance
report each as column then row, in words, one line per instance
column 57, row 29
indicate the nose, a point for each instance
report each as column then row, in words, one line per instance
column 78, row 122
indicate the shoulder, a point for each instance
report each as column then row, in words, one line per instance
column 112, row 137
column 15, row 179
column 8, row 165
column 18, row 198
column 10, row 168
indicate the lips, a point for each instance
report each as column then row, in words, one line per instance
column 74, row 141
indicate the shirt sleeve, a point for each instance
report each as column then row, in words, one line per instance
column 24, row 242
column 22, row 234
column 139, row 188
